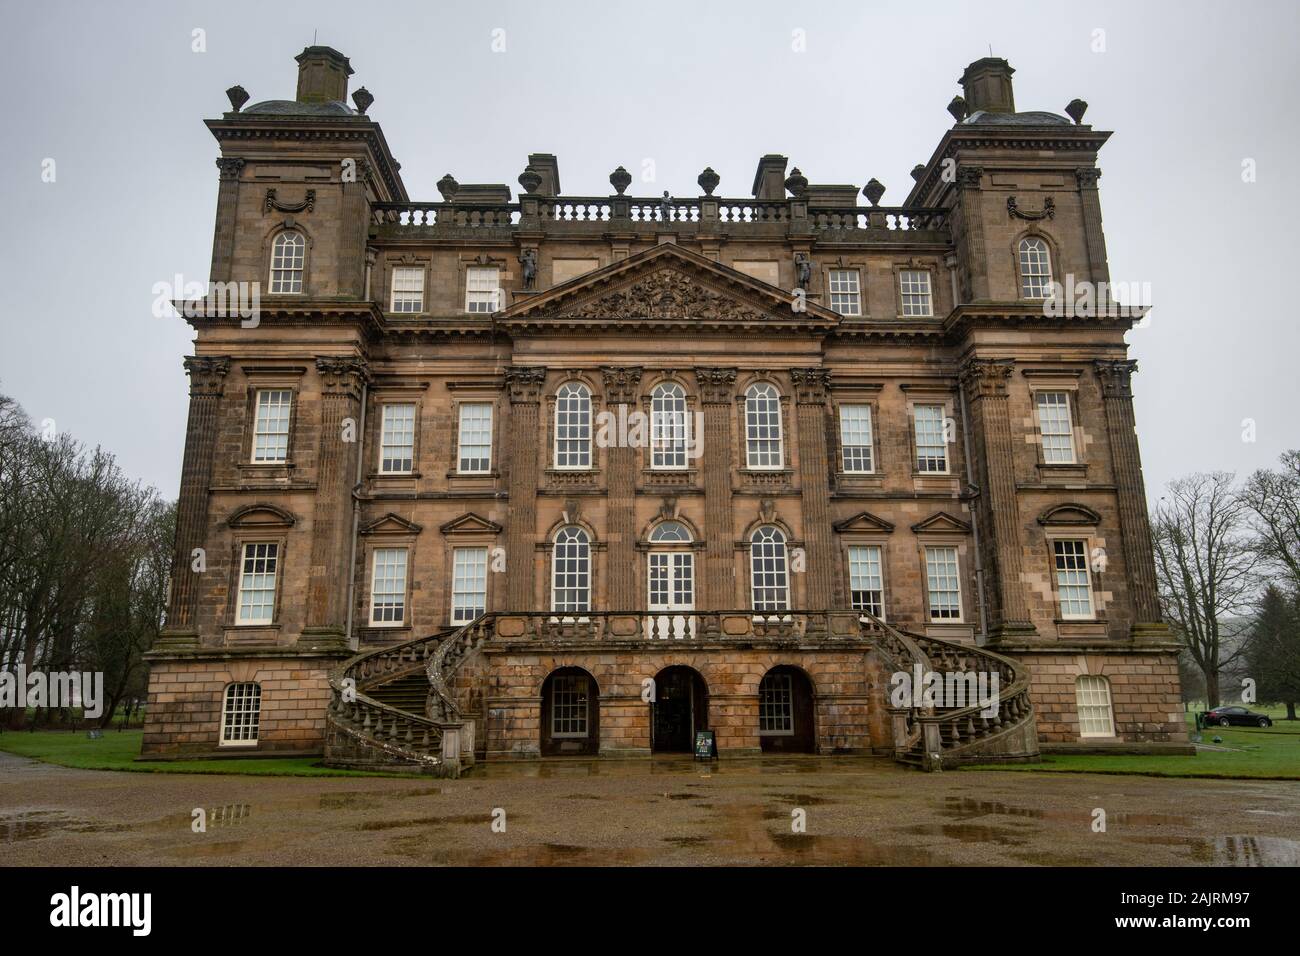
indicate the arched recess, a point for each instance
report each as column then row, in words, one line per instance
column 679, row 709
column 786, row 711
column 570, row 716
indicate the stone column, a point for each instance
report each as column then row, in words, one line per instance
column 341, row 380
column 717, row 582
column 825, row 590
column 985, row 381
column 524, row 385
column 207, row 382
column 1116, row 379
column 621, row 388
column 223, row 239
column 969, row 180
column 1090, row 201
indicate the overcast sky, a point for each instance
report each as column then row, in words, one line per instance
column 115, row 95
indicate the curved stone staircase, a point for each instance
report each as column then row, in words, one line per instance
column 395, row 707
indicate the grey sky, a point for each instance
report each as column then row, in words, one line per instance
column 113, row 93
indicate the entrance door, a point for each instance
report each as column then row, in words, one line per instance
column 680, row 708
column 672, row 593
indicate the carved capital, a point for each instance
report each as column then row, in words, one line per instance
column 524, row 383
column 342, row 376
column 716, row 385
column 1116, row 377
column 1087, row 176
column 207, row 373
column 621, row 384
column 986, row 378
column 230, row 167
column 970, row 177
column 810, row 385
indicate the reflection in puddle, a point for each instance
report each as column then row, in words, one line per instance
column 35, row 824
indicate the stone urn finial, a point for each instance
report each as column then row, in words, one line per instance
column 530, row 179
column 238, row 96
column 796, row 182
column 363, row 98
column 448, row 187
column 620, row 179
column 1075, row 110
column 708, row 180
column 918, row 171
column 873, row 190
column 958, row 108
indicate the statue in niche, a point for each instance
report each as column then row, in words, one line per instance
column 528, row 261
column 802, row 270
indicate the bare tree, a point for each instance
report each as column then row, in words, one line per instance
column 1273, row 498
column 1205, row 565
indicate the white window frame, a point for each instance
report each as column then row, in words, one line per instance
column 1035, row 268
column 1092, row 700
column 764, row 438
column 776, row 705
column 288, row 263
column 669, row 427
column 391, row 599
column 474, row 433
column 259, row 572
column 407, row 295
column 1056, row 427
column 924, row 458
column 241, row 724
column 845, row 291
column 271, row 431
column 396, row 438
column 1073, row 574
column 482, row 289
column 571, row 571
column 867, row 577
column 857, row 439
column 769, row 570
column 572, row 446
column 570, row 694
column 943, row 578
column 468, row 583
column 915, row 293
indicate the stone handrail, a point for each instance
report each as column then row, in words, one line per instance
column 674, row 625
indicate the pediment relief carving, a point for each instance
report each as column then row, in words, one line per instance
column 666, row 294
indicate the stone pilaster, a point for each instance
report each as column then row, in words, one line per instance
column 825, row 589
column 223, row 239
column 969, row 180
column 1095, row 240
column 717, row 582
column 621, row 388
column 207, row 382
column 355, row 226
column 1116, row 379
column 985, row 381
column 524, row 386
column 341, row 381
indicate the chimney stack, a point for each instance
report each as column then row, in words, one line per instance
column 769, row 178
column 986, row 85
column 322, row 75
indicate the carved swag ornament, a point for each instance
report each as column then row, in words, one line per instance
column 666, row 294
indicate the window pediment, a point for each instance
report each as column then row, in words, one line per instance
column 941, row 522
column 1069, row 514
column 261, row 516
column 470, row 523
column 391, row 524
column 864, row 521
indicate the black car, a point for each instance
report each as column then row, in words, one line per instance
column 1238, row 716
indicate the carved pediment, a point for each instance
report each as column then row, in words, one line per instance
column 940, row 522
column 666, row 285
column 1069, row 514
column 864, row 521
column 391, row 524
column 260, row 516
column 470, row 523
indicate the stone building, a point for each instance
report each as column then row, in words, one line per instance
column 541, row 474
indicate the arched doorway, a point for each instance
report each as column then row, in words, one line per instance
column 785, row 712
column 570, row 713
column 680, row 708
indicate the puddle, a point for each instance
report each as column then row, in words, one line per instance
column 970, row 833
column 35, row 824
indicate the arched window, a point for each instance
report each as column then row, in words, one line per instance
column 668, row 426
column 763, row 427
column 768, row 572
column 287, row 255
column 241, row 713
column 670, row 532
column 1092, row 696
column 573, row 426
column 571, row 571
column 1035, row 269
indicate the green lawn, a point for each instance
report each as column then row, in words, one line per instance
column 118, row 750
column 1258, row 752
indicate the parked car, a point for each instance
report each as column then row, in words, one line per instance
column 1235, row 716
